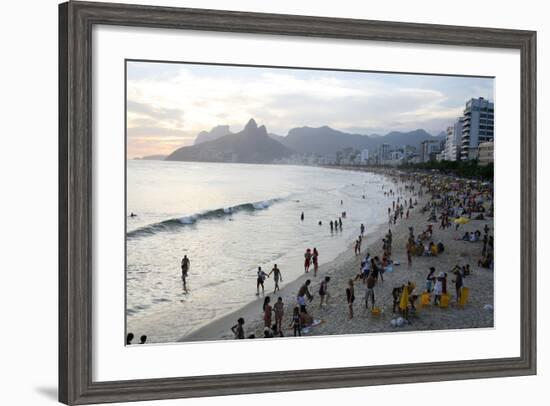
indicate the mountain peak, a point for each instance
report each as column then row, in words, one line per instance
column 251, row 125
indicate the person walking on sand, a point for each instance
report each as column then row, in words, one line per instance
column 267, row 312
column 238, row 329
column 185, row 264
column 323, row 291
column 261, row 275
column 315, row 259
column 277, row 276
column 350, row 298
column 307, row 260
column 279, row 309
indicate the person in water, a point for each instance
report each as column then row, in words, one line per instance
column 331, row 226
column 185, row 264
column 238, row 329
column 302, row 216
column 129, row 338
column 133, row 214
column 340, row 222
column 143, row 339
column 261, row 275
column 276, row 277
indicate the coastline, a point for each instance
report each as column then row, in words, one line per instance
column 346, row 265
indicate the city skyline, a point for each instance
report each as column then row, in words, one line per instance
column 168, row 104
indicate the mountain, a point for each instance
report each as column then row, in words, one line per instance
column 215, row 133
column 157, row 157
column 325, row 140
column 251, row 145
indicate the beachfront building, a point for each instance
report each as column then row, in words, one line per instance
column 485, row 153
column 384, row 153
column 453, row 141
column 365, row 156
column 477, row 126
column 429, row 150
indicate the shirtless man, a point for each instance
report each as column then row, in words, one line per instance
column 276, row 277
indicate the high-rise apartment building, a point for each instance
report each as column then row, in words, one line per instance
column 477, row 126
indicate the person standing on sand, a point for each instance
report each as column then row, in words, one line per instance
column 438, row 288
column 303, row 292
column 430, row 280
column 369, row 293
column 362, row 229
column 267, row 312
column 458, row 283
column 315, row 258
column 261, row 275
column 307, row 261
column 350, row 297
column 279, row 309
column 296, row 321
column 276, row 277
column 238, row 329
column 323, row 291
column 185, row 264
column 357, row 247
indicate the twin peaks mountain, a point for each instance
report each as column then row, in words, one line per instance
column 251, row 145
column 254, row 145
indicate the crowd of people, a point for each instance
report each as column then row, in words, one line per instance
column 448, row 200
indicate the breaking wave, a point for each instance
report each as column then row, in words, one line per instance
column 175, row 223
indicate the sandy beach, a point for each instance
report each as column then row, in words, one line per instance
column 334, row 316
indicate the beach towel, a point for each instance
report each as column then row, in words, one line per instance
column 316, row 322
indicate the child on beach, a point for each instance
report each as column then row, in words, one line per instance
column 267, row 312
column 296, row 322
column 323, row 291
column 279, row 309
column 238, row 329
column 350, row 297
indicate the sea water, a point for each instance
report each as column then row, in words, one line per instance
column 229, row 219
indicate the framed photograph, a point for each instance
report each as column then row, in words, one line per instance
column 258, row 202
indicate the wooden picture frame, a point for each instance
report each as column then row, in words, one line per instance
column 76, row 20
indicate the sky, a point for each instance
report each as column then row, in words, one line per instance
column 168, row 104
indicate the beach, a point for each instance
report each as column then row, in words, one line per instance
column 332, row 319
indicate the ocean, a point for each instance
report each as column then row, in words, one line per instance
column 229, row 219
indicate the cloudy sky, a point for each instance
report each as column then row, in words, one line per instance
column 168, row 104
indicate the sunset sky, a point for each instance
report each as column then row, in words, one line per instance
column 168, row 104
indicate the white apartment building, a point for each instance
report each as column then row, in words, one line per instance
column 477, row 126
column 453, row 142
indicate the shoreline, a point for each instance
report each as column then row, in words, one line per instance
column 346, row 265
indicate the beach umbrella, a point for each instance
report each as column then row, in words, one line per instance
column 462, row 220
